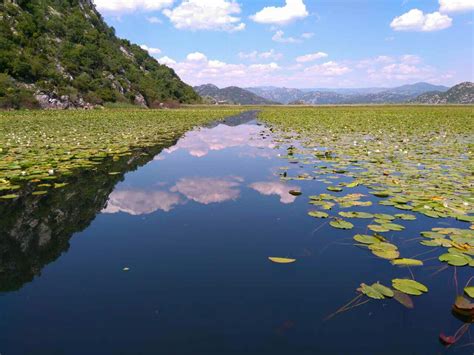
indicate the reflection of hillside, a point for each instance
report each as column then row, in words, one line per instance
column 35, row 230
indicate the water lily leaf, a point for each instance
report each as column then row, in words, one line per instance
column 371, row 292
column 455, row 259
column 341, row 224
column 294, row 192
column 385, row 250
column 280, row 260
column 410, row 287
column 318, row 214
column 356, row 214
column 469, row 290
column 384, row 290
column 405, row 216
column 334, row 188
column 407, row 262
column 366, row 239
column 378, row 228
column 384, row 216
column 9, row 196
column 393, row 226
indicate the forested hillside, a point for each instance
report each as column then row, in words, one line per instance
column 61, row 53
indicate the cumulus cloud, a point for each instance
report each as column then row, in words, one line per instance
column 416, row 20
column 198, row 69
column 275, row 188
column 139, row 202
column 254, row 55
column 150, row 50
column 293, row 10
column 279, row 36
column 452, row 6
column 166, row 60
column 405, row 68
column 208, row 190
column 311, row 57
column 218, row 15
column 196, row 57
column 127, row 6
column 328, row 69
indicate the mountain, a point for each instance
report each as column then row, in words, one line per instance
column 230, row 95
column 60, row 54
column 281, row 95
column 346, row 95
column 462, row 93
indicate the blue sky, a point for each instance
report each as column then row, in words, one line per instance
column 303, row 43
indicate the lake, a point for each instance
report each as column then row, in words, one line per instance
column 170, row 255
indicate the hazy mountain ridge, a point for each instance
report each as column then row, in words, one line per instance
column 231, row 95
column 346, row 96
column 60, row 54
column 462, row 93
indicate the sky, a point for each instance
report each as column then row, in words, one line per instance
column 303, row 43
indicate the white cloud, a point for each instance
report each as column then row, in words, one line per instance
column 124, row 6
column 293, row 10
column 215, row 15
column 198, row 69
column 166, row 60
column 450, row 6
column 311, row 57
column 153, row 19
column 196, row 57
column 328, row 69
column 416, row 20
column 254, row 55
column 150, row 50
column 279, row 36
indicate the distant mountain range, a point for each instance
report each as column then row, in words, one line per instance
column 230, row 95
column 269, row 95
column 346, row 96
column 462, row 93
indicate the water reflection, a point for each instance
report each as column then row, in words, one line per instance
column 138, row 202
column 275, row 188
column 208, row 190
column 200, row 142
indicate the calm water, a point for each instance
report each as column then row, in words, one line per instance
column 195, row 222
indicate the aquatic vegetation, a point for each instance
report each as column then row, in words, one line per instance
column 413, row 162
column 280, row 260
column 48, row 146
column 410, row 287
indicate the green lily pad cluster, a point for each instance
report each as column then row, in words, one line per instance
column 39, row 148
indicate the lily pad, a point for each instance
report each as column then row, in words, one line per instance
column 279, row 260
column 469, row 290
column 366, row 239
column 410, row 287
column 318, row 214
column 407, row 262
column 341, row 224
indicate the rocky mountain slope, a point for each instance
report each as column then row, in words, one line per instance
column 462, row 93
column 230, row 95
column 60, row 54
